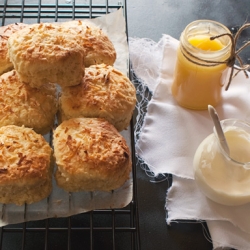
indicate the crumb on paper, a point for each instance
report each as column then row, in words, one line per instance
column 58, row 202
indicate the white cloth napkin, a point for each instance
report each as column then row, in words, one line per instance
column 170, row 135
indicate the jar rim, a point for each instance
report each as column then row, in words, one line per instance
column 227, row 122
column 210, row 24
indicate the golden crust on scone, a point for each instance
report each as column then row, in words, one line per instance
column 104, row 92
column 90, row 155
column 5, row 32
column 21, row 104
column 25, row 166
column 44, row 53
column 99, row 48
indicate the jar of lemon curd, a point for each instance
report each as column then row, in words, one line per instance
column 201, row 70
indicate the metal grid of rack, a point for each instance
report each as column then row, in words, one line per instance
column 98, row 229
column 46, row 10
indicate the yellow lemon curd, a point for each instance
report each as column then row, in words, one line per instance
column 205, row 43
column 196, row 86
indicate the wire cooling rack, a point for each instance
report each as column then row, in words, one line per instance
column 98, row 229
column 55, row 10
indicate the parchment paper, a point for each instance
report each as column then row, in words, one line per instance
column 64, row 204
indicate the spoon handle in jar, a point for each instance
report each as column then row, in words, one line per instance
column 218, row 128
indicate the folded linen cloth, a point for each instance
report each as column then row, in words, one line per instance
column 171, row 134
column 224, row 234
column 186, row 201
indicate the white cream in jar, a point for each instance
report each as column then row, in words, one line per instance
column 222, row 178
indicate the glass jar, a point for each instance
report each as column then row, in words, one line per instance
column 225, row 178
column 198, row 80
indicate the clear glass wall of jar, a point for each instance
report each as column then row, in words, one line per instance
column 198, row 79
column 222, row 177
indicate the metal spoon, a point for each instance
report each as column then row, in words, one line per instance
column 218, row 128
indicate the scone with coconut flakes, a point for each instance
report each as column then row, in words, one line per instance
column 25, row 166
column 104, row 92
column 98, row 47
column 90, row 155
column 21, row 104
column 5, row 32
column 44, row 53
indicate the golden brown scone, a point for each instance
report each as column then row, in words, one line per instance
column 21, row 104
column 104, row 92
column 98, row 46
column 5, row 32
column 44, row 53
column 90, row 155
column 25, row 166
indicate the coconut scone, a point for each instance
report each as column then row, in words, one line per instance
column 44, row 53
column 25, row 166
column 104, row 92
column 98, row 47
column 21, row 104
column 5, row 32
column 90, row 155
